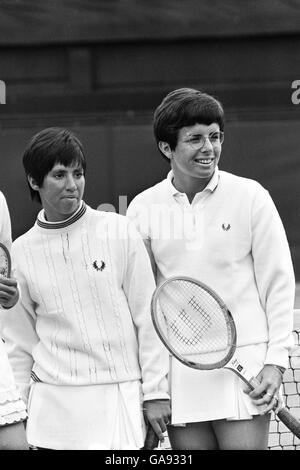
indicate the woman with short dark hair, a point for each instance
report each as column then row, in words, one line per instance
column 225, row 231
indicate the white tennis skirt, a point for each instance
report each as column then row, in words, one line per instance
column 215, row 394
column 93, row 417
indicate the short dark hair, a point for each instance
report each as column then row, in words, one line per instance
column 185, row 107
column 47, row 148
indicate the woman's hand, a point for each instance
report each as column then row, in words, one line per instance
column 9, row 293
column 266, row 394
column 157, row 414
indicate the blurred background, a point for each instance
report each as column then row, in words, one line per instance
column 100, row 68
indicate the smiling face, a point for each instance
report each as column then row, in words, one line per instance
column 61, row 191
column 194, row 162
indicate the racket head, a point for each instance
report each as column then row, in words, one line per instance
column 5, row 261
column 194, row 323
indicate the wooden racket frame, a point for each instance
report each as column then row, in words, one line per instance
column 227, row 316
column 3, row 247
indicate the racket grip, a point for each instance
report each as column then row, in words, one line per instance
column 151, row 440
column 292, row 423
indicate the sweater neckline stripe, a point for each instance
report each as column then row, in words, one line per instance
column 64, row 223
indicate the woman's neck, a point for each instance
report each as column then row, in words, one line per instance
column 190, row 186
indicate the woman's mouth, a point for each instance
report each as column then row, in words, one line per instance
column 204, row 161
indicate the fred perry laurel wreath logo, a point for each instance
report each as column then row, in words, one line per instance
column 226, row 227
column 98, row 268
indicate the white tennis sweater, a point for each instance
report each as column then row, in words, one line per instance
column 232, row 239
column 84, row 314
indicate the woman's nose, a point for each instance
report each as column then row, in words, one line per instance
column 71, row 184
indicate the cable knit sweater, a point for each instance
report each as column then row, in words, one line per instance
column 84, row 315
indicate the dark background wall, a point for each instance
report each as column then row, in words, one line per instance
column 101, row 67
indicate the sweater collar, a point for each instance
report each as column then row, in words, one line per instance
column 43, row 223
column 211, row 186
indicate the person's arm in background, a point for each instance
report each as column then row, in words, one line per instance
column 9, row 293
column 5, row 223
column 139, row 286
column 18, row 327
column 276, row 285
column 12, row 408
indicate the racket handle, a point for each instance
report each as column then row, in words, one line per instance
column 292, row 423
column 151, row 440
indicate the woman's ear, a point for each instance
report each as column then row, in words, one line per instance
column 33, row 183
column 164, row 147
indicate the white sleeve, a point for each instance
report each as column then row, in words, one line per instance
column 274, row 276
column 5, row 224
column 19, row 334
column 139, row 286
column 139, row 215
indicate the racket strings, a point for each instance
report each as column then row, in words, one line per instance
column 195, row 323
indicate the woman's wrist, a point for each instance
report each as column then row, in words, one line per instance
column 280, row 369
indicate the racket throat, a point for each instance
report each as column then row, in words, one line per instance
column 242, row 372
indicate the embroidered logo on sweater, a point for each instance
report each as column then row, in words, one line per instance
column 98, row 268
column 226, row 227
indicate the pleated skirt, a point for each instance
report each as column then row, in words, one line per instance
column 94, row 417
column 198, row 395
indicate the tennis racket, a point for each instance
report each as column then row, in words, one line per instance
column 5, row 261
column 197, row 328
